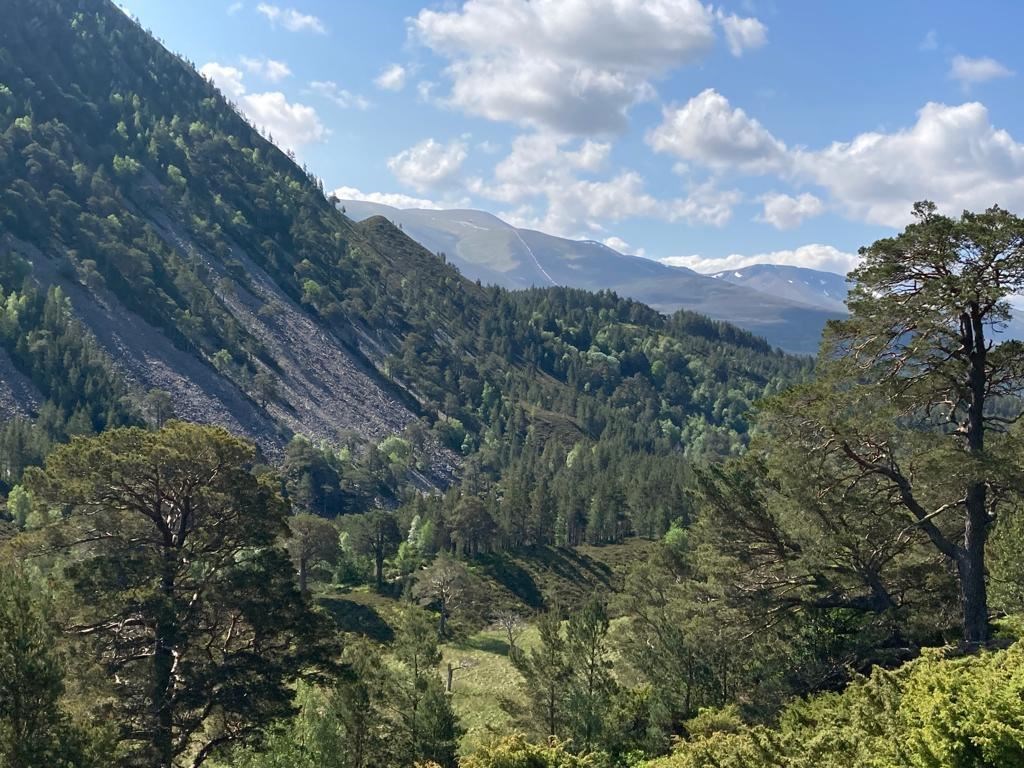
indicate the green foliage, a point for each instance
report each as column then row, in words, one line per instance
column 312, row 543
column 959, row 712
column 1006, row 563
column 428, row 729
column 35, row 728
column 347, row 725
column 545, row 670
column 582, row 419
column 591, row 687
column 169, row 533
column 20, row 503
column 914, row 391
column 516, row 752
column 83, row 392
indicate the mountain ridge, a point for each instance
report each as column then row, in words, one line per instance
column 801, row 284
column 488, row 249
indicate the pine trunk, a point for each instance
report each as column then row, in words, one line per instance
column 971, row 569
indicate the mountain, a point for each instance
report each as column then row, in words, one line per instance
column 806, row 286
column 159, row 256
column 827, row 290
column 487, row 249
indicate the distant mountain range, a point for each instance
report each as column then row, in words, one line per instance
column 786, row 305
column 805, row 286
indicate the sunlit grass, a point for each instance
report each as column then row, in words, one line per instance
column 488, row 679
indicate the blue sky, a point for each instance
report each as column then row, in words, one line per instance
column 707, row 135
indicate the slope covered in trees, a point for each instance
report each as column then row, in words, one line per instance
column 187, row 599
column 204, row 262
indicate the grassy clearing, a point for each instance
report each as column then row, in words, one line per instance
column 527, row 582
column 488, row 679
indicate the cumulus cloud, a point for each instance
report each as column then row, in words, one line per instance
column 813, row 256
column 968, row 71
column 787, row 212
column 429, row 164
column 340, row 96
column 290, row 123
column 742, row 34
column 392, row 78
column 394, row 199
column 710, row 131
column 573, row 66
column 546, row 178
column 291, row 19
column 620, row 245
column 228, row 79
column 952, row 155
column 271, row 69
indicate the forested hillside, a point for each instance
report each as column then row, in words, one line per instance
column 200, row 261
column 485, row 248
column 280, row 489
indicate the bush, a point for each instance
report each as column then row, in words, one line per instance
column 940, row 711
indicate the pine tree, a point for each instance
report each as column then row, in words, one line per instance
column 185, row 594
column 34, row 729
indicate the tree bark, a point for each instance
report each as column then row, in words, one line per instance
column 442, row 622
column 971, row 569
column 551, row 710
column 971, row 560
column 163, row 671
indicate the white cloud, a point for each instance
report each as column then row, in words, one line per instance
column 392, row 78
column 394, row 199
column 620, row 245
column 235, row 8
column 969, row 71
column 951, row 155
column 930, row 41
column 291, row 19
column 572, row 66
column 228, row 79
column 340, row 96
column 812, row 256
column 429, row 164
column 742, row 34
column 271, row 69
column 787, row 212
column 535, row 156
column 291, row 124
column 710, row 131
column 544, row 178
column 424, row 89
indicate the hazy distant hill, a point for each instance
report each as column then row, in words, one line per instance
column 488, row 249
column 807, row 286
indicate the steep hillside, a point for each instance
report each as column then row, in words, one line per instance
column 488, row 249
column 178, row 250
column 186, row 244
